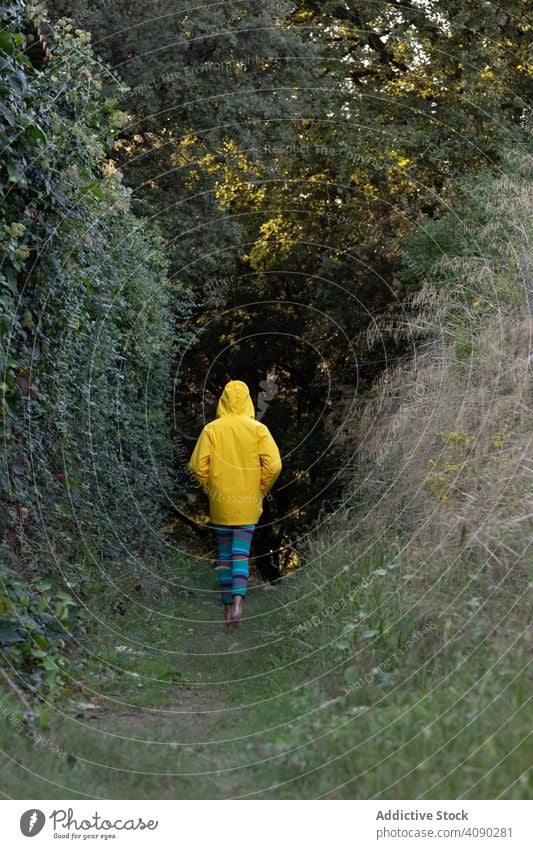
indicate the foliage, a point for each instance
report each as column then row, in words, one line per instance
column 290, row 149
column 35, row 627
column 386, row 193
column 203, row 89
column 86, row 321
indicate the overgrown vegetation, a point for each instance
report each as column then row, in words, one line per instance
column 394, row 251
column 87, row 336
column 287, row 148
column 417, row 592
column 393, row 664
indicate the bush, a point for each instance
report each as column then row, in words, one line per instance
column 86, row 341
column 86, row 314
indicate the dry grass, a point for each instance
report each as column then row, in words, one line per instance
column 444, row 439
column 452, row 451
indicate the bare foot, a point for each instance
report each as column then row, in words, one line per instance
column 237, row 610
column 228, row 610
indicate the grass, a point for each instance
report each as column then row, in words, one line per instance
column 393, row 664
column 362, row 703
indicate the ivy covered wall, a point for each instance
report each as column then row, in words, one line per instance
column 85, row 321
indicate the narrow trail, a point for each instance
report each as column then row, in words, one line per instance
column 158, row 712
column 174, row 705
column 185, row 738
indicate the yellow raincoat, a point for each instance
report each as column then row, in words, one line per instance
column 235, row 460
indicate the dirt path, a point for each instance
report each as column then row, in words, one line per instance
column 185, row 742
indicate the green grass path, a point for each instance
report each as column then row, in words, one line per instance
column 172, row 705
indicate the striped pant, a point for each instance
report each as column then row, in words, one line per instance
column 233, row 543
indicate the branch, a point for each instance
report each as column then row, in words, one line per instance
column 385, row 56
column 201, row 530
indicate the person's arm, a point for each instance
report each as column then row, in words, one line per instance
column 269, row 458
column 201, row 458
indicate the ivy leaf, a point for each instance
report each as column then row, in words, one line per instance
column 6, row 45
column 7, row 115
column 9, row 280
column 15, row 175
column 33, row 133
column 19, row 80
column 95, row 189
column 9, row 634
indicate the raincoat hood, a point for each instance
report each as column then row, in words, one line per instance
column 235, row 400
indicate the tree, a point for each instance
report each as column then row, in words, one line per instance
column 288, row 151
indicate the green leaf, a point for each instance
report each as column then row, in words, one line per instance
column 33, row 133
column 351, row 674
column 66, row 599
column 6, row 45
column 9, row 634
column 15, row 174
column 19, row 81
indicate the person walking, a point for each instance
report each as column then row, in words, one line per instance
column 236, row 462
